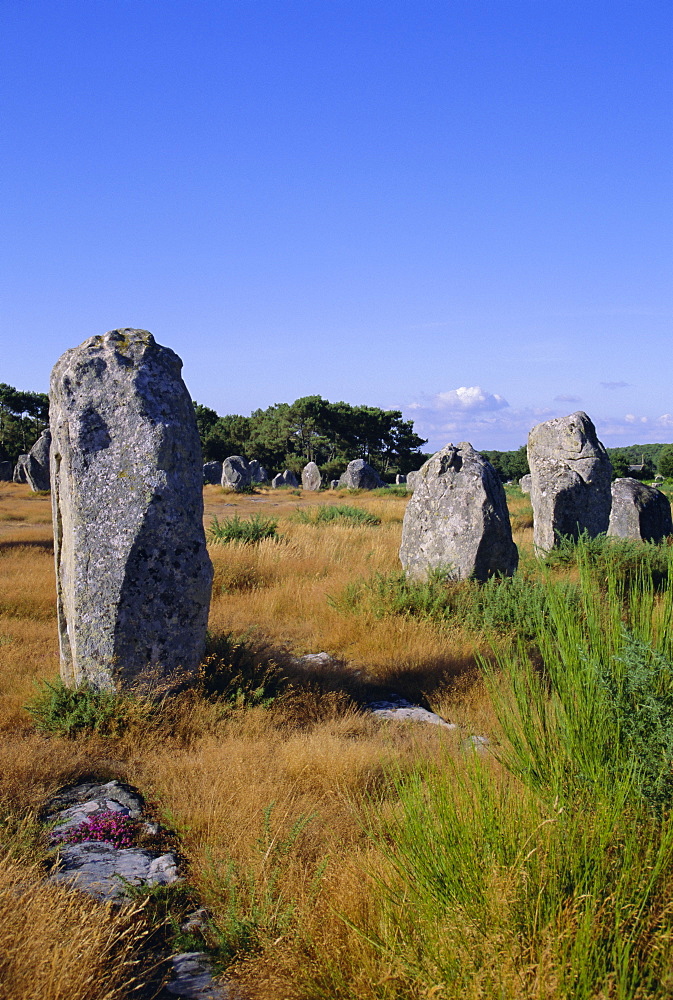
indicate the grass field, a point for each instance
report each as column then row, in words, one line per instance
column 339, row 856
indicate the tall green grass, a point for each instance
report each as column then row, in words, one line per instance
column 342, row 513
column 545, row 869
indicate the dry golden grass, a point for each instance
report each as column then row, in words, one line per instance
column 236, row 787
column 57, row 943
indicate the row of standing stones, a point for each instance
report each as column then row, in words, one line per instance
column 237, row 473
column 458, row 517
column 122, row 457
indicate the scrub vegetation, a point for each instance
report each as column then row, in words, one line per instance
column 339, row 855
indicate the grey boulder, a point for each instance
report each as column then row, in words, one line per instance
column 570, row 480
column 236, row 473
column 524, row 483
column 400, row 480
column 212, row 473
column 310, row 477
column 639, row 511
column 285, row 478
column 133, row 576
column 457, row 519
column 360, row 476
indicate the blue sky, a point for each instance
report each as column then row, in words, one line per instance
column 460, row 209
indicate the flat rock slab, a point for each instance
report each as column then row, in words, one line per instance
column 102, row 870
column 72, row 806
column 194, row 979
column 402, row 710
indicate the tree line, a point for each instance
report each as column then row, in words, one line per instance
column 288, row 435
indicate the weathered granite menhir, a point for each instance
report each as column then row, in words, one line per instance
column 457, row 519
column 33, row 468
column 310, row 477
column 133, row 574
column 359, row 475
column 639, row 511
column 236, row 474
column 570, row 480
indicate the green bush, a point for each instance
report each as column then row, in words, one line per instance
column 63, row 711
column 501, row 605
column 336, row 513
column 236, row 529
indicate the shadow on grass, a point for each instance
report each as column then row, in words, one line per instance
column 46, row 544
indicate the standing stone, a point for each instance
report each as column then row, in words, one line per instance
column 6, row 472
column 400, row 480
column 334, row 484
column 524, row 483
column 639, row 511
column 457, row 519
column 20, row 469
column 212, row 473
column 286, row 478
column 570, row 480
column 412, row 479
column 360, row 476
column 236, row 473
column 258, row 473
column 310, row 477
column 132, row 571
column 37, row 463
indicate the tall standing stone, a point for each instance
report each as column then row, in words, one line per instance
column 359, row 475
column 639, row 511
column 133, row 574
column 524, row 483
column 310, row 477
column 457, row 519
column 236, row 473
column 37, row 463
column 570, row 480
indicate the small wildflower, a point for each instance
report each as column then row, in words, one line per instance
column 109, row 827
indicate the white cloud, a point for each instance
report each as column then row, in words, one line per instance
column 631, row 418
column 665, row 420
column 471, row 397
column 567, row 399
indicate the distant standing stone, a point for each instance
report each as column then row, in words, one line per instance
column 37, row 463
column 212, row 473
column 412, row 480
column 334, row 484
column 639, row 511
column 133, row 574
column 236, row 473
column 20, row 469
column 285, row 478
column 400, row 480
column 570, row 480
column 360, row 476
column 6, row 472
column 258, row 473
column 524, row 483
column 310, row 477
column 457, row 519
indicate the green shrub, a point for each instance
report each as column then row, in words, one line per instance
column 623, row 561
column 336, row 513
column 236, row 529
column 501, row 605
column 63, row 711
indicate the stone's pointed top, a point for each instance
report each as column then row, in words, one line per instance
column 572, row 437
column 127, row 343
